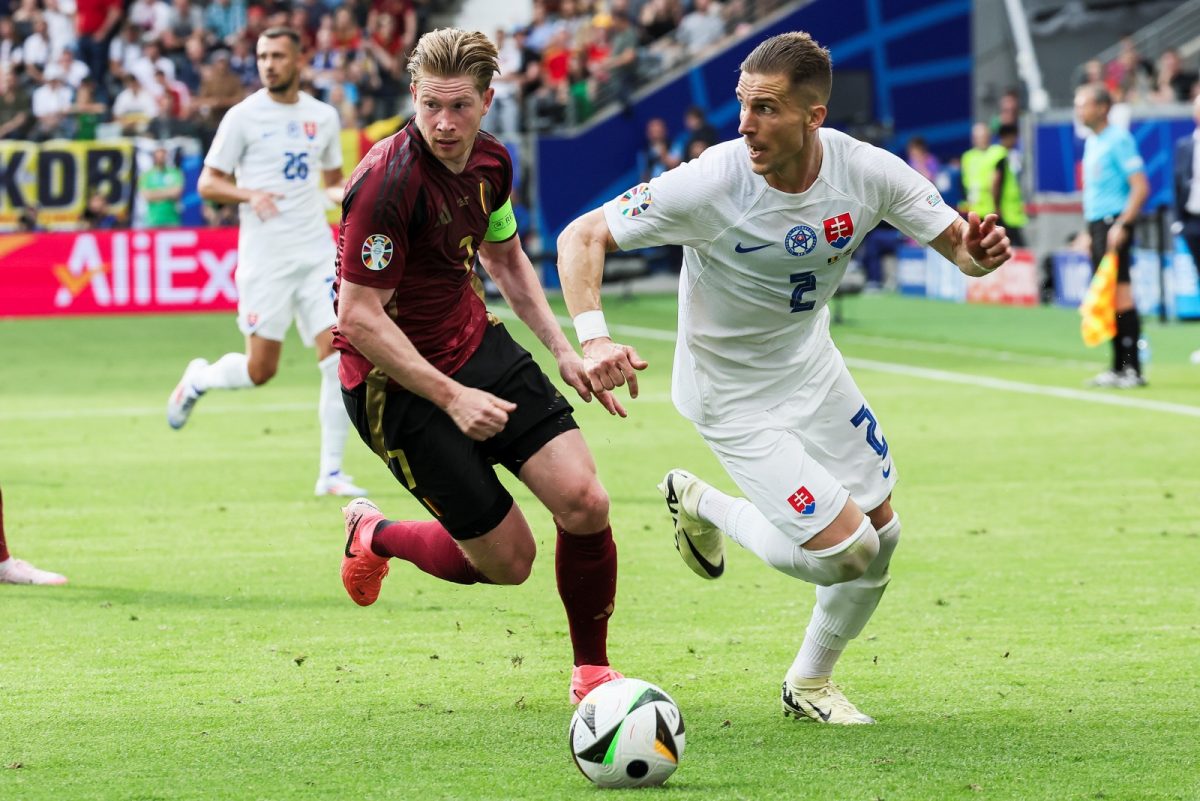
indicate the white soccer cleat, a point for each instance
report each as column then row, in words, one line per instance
column 1129, row 379
column 184, row 396
column 699, row 542
column 338, row 484
column 824, row 704
column 18, row 571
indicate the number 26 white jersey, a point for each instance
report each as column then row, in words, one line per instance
column 760, row 265
column 283, row 148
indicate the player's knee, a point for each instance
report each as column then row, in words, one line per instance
column 516, row 570
column 261, row 373
column 586, row 508
column 846, row 561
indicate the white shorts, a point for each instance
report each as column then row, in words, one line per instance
column 269, row 299
column 799, row 461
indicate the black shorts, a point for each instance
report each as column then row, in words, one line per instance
column 451, row 474
column 1098, row 229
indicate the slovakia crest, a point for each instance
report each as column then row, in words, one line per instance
column 803, row 501
column 310, row 129
column 800, row 241
column 839, row 230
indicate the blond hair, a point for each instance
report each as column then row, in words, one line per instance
column 450, row 52
column 798, row 56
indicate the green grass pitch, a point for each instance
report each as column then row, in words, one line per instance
column 1038, row 641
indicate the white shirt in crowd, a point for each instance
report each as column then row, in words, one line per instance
column 760, row 265
column 49, row 99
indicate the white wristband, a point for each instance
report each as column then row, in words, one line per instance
column 986, row 270
column 590, row 325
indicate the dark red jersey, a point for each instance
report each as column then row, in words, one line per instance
column 411, row 225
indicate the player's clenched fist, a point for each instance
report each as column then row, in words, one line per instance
column 987, row 241
column 610, row 365
column 478, row 414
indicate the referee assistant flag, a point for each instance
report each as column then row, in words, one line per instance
column 1098, row 309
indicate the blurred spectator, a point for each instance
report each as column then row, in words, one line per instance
column 347, row 36
column 174, row 104
column 97, row 215
column 16, row 117
column 1009, row 112
column 88, row 111
column 659, row 18
column 543, row 27
column 503, row 118
column 220, row 90
column 620, row 68
column 1173, row 84
column 573, row 16
column 921, row 160
column 35, row 50
column 51, row 108
column 655, row 156
column 950, row 183
column 135, row 108
column 96, row 23
column 1006, row 186
column 190, row 69
column 24, row 17
column 1129, row 74
column 243, row 62
column 696, row 128
column 183, row 18
column 161, row 187
column 702, row 28
column 1093, row 72
column 324, row 61
column 10, row 45
column 68, row 69
column 224, row 20
column 979, row 170
column 149, row 62
column 60, row 28
column 124, row 51
column 151, row 17
column 581, row 89
column 387, row 49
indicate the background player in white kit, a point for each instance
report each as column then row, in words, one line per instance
column 768, row 224
column 269, row 155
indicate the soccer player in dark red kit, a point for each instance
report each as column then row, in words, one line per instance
column 18, row 571
column 434, row 383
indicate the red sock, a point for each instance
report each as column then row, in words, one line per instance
column 428, row 546
column 586, row 569
column 4, row 554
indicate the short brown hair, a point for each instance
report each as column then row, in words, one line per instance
column 281, row 30
column 798, row 56
column 450, row 52
column 1099, row 93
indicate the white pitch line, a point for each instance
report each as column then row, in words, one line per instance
column 966, row 350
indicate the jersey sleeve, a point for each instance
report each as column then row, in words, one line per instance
column 229, row 143
column 376, row 213
column 669, row 210
column 911, row 203
column 1126, row 156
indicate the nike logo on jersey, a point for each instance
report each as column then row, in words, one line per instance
column 738, row 247
column 887, row 471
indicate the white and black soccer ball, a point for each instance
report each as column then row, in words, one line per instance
column 627, row 733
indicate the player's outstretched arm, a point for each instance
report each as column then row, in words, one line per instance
column 581, row 249
column 219, row 187
column 363, row 320
column 509, row 266
column 977, row 246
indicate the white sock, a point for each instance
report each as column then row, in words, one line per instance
column 714, row 506
column 231, row 371
column 842, row 611
column 335, row 421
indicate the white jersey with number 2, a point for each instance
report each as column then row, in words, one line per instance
column 760, row 265
column 280, row 147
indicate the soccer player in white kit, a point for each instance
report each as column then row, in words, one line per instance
column 768, row 224
column 269, row 156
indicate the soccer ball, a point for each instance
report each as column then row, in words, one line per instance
column 627, row 733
